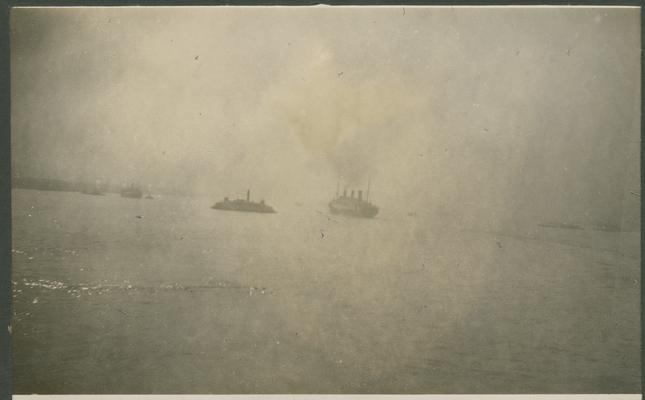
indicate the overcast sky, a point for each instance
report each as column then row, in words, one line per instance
column 529, row 112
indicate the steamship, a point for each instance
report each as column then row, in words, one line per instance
column 243, row 205
column 353, row 206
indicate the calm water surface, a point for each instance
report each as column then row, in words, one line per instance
column 115, row 295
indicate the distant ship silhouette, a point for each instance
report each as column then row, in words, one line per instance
column 353, row 206
column 243, row 205
column 95, row 191
column 132, row 192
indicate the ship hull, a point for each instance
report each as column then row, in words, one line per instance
column 92, row 193
column 131, row 195
column 354, row 209
column 244, row 208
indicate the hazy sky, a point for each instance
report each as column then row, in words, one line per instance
column 520, row 112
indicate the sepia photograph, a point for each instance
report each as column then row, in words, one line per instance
column 325, row 200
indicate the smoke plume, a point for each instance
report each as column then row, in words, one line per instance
column 341, row 116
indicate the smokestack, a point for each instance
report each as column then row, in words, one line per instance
column 248, row 195
column 345, row 193
column 360, row 195
column 352, row 194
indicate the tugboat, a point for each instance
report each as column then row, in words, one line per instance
column 131, row 192
column 353, row 206
column 243, row 205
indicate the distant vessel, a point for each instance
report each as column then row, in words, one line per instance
column 353, row 206
column 95, row 191
column 132, row 192
column 243, row 205
column 149, row 194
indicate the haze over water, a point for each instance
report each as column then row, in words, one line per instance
column 474, row 112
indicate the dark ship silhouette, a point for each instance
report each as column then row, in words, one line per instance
column 132, row 192
column 93, row 190
column 149, row 194
column 353, row 206
column 243, row 205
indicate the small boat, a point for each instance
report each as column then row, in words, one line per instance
column 94, row 191
column 132, row 192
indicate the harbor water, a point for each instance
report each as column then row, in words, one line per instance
column 117, row 295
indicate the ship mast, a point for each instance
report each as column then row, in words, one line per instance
column 368, row 189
